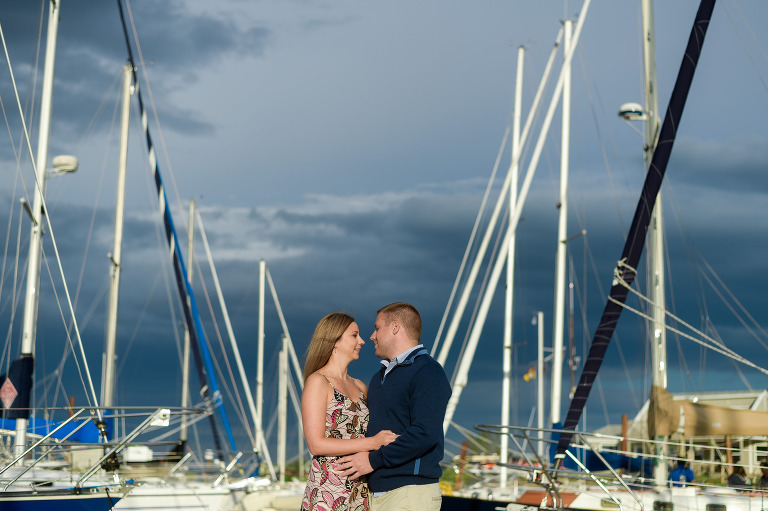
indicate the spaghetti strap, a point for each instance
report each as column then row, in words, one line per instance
column 326, row 379
column 354, row 382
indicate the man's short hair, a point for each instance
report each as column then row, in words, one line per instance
column 406, row 314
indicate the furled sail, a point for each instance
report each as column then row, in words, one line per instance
column 16, row 388
column 667, row 415
column 633, row 248
column 210, row 389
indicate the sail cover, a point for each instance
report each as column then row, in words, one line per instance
column 667, row 415
column 633, row 248
column 15, row 388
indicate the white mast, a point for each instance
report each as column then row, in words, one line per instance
column 466, row 360
column 185, row 401
column 475, row 269
column 260, row 441
column 507, row 351
column 110, row 359
column 655, row 251
column 282, row 407
column 29, row 325
column 656, row 283
column 540, row 382
column 235, row 348
column 559, row 316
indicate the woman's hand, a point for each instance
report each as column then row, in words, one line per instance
column 384, row 438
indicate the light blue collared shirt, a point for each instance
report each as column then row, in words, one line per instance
column 391, row 364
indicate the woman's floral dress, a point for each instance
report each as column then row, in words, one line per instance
column 327, row 490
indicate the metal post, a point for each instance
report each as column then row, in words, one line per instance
column 29, row 324
column 559, row 316
column 540, row 382
column 508, row 315
column 260, row 441
column 110, row 358
column 183, row 433
column 282, row 407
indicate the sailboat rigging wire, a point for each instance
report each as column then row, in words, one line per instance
column 470, row 243
column 186, row 294
column 636, row 239
column 230, row 332
column 499, row 264
column 89, row 236
column 291, row 349
column 14, row 299
column 240, row 408
column 25, row 131
column 744, row 44
column 152, row 104
column 80, row 370
column 473, row 317
column 505, row 187
column 97, row 113
column 236, row 350
column 734, row 363
column 53, row 238
column 749, row 328
column 138, row 321
column 712, row 344
column 612, row 186
column 471, row 436
column 84, row 322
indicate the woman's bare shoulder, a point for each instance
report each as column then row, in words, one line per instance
column 316, row 380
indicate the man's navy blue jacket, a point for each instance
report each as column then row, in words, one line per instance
column 410, row 401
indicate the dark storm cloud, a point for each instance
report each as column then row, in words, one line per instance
column 722, row 165
column 91, row 41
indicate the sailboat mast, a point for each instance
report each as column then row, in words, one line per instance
column 656, row 284
column 231, row 334
column 655, row 251
column 540, row 382
column 559, row 316
column 260, row 440
column 185, row 400
column 636, row 238
column 108, row 385
column 475, row 269
column 31, row 298
column 460, row 381
column 282, row 407
column 507, row 350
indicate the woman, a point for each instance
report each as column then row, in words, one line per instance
column 738, row 478
column 335, row 415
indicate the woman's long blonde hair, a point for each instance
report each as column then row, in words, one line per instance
column 327, row 332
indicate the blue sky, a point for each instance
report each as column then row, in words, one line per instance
column 349, row 145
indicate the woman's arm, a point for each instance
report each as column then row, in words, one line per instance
column 315, row 399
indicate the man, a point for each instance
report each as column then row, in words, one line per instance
column 408, row 396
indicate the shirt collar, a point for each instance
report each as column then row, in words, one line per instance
column 389, row 365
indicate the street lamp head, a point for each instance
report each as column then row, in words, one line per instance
column 632, row 112
column 64, row 164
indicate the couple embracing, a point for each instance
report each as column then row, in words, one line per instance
column 377, row 447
